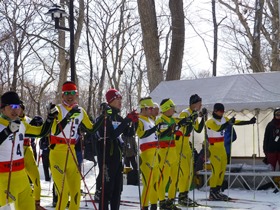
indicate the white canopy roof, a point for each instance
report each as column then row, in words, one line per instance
column 236, row 92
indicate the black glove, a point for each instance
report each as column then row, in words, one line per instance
column 231, row 121
column 13, row 126
column 185, row 121
column 194, row 116
column 158, row 126
column 73, row 112
column 204, row 111
column 105, row 108
column 52, row 111
column 253, row 120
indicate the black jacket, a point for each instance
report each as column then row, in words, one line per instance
column 115, row 126
column 271, row 142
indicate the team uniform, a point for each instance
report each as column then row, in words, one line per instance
column 63, row 136
column 167, row 155
column 148, row 144
column 20, row 191
column 184, row 151
column 218, row 158
column 30, row 164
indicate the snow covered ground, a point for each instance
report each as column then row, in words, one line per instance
column 245, row 199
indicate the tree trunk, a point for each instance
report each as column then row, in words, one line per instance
column 178, row 40
column 215, row 47
column 256, row 61
column 149, row 27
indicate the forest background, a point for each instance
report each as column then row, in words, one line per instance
column 131, row 45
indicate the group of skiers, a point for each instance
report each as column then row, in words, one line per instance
column 166, row 158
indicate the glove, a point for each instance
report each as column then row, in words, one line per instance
column 14, row 126
column 204, row 111
column 52, row 111
column 194, row 116
column 105, row 108
column 133, row 116
column 158, row 126
column 231, row 121
column 75, row 111
column 184, row 121
column 253, row 120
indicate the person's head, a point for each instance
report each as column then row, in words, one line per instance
column 69, row 93
column 114, row 98
column 146, row 106
column 276, row 113
column 219, row 109
column 155, row 111
column 37, row 121
column 167, row 107
column 10, row 105
column 195, row 102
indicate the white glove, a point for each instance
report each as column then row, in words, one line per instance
column 14, row 126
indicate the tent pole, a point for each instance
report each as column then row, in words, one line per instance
column 258, row 131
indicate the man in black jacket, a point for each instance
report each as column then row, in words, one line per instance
column 110, row 151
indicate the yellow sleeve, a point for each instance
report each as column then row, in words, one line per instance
column 140, row 129
column 33, row 130
column 86, row 121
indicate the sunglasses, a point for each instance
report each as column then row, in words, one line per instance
column 73, row 92
column 14, row 106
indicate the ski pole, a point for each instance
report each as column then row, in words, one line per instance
column 65, row 166
column 138, row 165
column 11, row 168
column 104, row 162
column 77, row 165
column 180, row 159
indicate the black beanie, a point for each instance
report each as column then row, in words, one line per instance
column 10, row 97
column 219, row 107
column 194, row 99
column 276, row 110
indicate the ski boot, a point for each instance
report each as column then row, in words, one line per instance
column 153, row 207
column 223, row 196
column 171, row 205
column 184, row 200
column 215, row 195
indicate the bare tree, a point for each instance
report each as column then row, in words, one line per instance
column 256, row 61
column 178, row 40
column 147, row 13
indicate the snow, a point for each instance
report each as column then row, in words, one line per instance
column 257, row 200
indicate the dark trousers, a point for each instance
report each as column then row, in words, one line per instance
column 132, row 161
column 113, row 179
column 46, row 164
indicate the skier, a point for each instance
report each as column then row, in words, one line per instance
column 218, row 157
column 148, row 142
column 271, row 142
column 12, row 171
column 29, row 159
column 64, row 134
column 184, row 150
column 167, row 155
column 111, row 167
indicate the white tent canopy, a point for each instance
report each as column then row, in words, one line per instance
column 236, row 92
column 245, row 95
